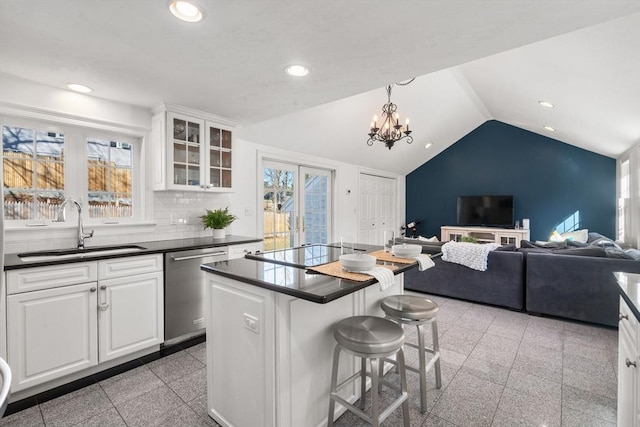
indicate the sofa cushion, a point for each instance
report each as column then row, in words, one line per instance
column 543, row 244
column 593, row 251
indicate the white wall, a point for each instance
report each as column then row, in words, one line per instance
column 174, row 214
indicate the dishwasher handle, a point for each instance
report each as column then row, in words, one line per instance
column 184, row 258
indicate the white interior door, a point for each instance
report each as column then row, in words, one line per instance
column 377, row 208
column 296, row 205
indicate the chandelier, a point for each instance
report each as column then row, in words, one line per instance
column 390, row 130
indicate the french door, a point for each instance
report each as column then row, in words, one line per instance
column 296, row 204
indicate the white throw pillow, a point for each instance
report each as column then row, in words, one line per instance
column 580, row 236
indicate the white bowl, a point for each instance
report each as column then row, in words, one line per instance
column 357, row 262
column 406, row 251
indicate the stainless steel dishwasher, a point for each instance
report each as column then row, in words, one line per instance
column 184, row 292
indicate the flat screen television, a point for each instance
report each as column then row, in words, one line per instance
column 487, row 211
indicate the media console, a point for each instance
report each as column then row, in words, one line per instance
column 503, row 236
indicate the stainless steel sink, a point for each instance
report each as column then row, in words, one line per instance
column 78, row 253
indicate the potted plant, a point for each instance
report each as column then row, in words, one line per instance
column 218, row 220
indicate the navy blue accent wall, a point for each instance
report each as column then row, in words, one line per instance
column 549, row 180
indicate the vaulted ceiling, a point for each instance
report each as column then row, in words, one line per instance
column 474, row 61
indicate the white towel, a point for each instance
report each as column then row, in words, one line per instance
column 424, row 262
column 472, row 255
column 385, row 277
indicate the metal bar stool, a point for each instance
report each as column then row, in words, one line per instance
column 416, row 311
column 369, row 338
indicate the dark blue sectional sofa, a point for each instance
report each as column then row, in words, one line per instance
column 573, row 282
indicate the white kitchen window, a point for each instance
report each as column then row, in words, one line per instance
column 44, row 163
column 110, row 178
column 33, row 172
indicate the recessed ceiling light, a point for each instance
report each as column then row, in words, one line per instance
column 79, row 88
column 428, row 145
column 545, row 104
column 297, row 70
column 186, row 11
column 549, row 128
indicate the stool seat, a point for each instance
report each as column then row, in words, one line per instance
column 409, row 307
column 369, row 335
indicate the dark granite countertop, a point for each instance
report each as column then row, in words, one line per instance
column 629, row 284
column 291, row 280
column 12, row 261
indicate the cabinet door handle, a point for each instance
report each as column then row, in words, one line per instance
column 623, row 316
column 103, row 305
column 629, row 363
column 93, row 289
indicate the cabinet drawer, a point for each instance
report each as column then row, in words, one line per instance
column 628, row 324
column 37, row 278
column 121, row 267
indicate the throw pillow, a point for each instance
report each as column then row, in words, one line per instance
column 578, row 235
column 617, row 253
column 507, row 248
column 633, row 253
column 605, row 242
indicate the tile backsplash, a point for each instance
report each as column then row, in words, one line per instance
column 175, row 214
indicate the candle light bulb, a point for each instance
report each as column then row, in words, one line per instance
column 407, row 124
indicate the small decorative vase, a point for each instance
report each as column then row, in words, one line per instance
column 219, row 233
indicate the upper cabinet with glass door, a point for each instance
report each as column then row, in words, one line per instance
column 193, row 150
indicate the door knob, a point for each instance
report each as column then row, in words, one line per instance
column 629, row 363
column 623, row 316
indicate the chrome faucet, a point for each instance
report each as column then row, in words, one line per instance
column 62, row 217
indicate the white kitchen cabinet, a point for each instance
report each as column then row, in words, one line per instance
column 193, row 150
column 82, row 315
column 628, row 368
column 130, row 313
column 51, row 333
column 502, row 236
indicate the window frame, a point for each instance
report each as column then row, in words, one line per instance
column 37, row 126
column 76, row 133
column 136, row 176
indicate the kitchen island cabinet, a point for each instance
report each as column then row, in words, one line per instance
column 270, row 342
column 629, row 350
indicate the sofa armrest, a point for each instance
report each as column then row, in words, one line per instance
column 501, row 284
column 575, row 287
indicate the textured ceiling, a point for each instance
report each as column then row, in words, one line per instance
column 231, row 64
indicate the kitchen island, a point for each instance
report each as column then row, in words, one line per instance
column 629, row 350
column 270, row 341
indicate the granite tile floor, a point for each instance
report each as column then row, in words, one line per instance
column 499, row 368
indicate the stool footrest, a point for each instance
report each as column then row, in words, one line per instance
column 417, row 347
column 427, row 367
column 359, row 412
column 381, row 380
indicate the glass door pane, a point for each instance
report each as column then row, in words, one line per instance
column 315, row 205
column 279, row 206
column 186, row 151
